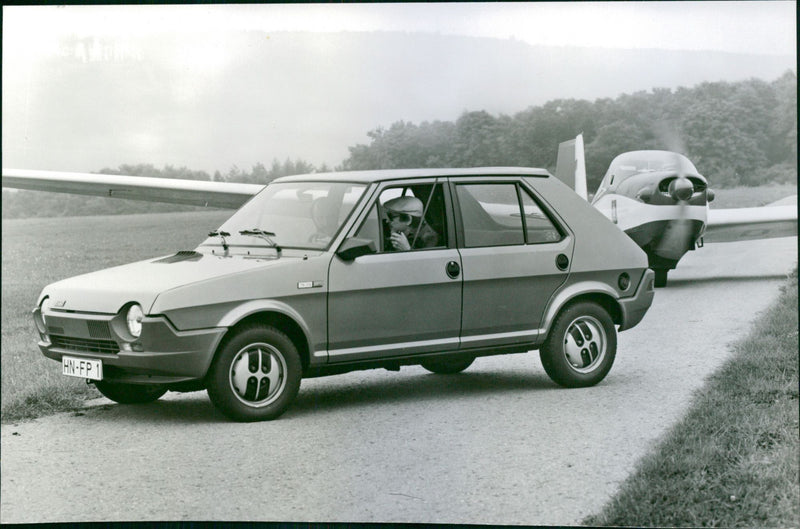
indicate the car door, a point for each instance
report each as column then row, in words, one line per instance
column 391, row 303
column 514, row 256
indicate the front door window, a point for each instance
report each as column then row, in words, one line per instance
column 407, row 217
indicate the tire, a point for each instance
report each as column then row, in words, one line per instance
column 129, row 393
column 581, row 346
column 255, row 375
column 447, row 366
column 661, row 277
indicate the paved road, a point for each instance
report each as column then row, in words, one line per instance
column 497, row 444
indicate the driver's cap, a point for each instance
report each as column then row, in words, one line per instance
column 408, row 205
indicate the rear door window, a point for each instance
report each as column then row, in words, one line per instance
column 502, row 214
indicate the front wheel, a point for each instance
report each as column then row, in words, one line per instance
column 581, row 346
column 129, row 393
column 255, row 375
column 448, row 366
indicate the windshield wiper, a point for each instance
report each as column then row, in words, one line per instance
column 266, row 235
column 221, row 234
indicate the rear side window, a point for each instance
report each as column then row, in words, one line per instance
column 538, row 226
column 502, row 214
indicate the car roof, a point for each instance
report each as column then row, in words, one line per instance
column 397, row 174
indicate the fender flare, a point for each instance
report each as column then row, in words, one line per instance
column 571, row 292
column 240, row 312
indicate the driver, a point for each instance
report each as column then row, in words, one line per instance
column 405, row 225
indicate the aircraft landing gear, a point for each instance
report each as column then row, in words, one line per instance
column 661, row 277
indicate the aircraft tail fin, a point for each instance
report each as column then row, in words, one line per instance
column 571, row 165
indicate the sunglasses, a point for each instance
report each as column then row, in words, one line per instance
column 402, row 217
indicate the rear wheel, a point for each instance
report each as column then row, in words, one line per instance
column 581, row 346
column 255, row 375
column 447, row 366
column 129, row 393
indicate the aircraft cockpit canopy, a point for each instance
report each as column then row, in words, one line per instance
column 638, row 162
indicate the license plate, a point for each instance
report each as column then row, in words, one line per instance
column 82, row 367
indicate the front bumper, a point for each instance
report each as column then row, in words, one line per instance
column 635, row 307
column 161, row 355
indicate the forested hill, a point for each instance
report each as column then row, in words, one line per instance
column 736, row 133
column 742, row 133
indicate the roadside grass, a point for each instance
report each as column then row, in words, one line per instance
column 39, row 251
column 733, row 460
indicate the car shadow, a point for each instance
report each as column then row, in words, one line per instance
column 416, row 388
column 172, row 411
column 347, row 392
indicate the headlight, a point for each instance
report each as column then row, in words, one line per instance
column 134, row 319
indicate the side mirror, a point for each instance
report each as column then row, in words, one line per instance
column 355, row 247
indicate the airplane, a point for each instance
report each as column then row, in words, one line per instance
column 662, row 202
column 658, row 198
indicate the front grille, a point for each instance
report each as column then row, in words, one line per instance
column 85, row 345
column 99, row 329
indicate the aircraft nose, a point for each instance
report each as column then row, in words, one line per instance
column 681, row 189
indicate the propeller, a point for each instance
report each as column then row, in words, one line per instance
column 681, row 189
column 676, row 238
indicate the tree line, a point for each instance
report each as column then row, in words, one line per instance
column 742, row 133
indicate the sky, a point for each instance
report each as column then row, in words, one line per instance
column 46, row 126
column 764, row 27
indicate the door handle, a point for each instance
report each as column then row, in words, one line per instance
column 452, row 269
column 562, row 261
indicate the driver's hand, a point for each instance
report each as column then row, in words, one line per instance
column 399, row 241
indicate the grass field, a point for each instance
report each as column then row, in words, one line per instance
column 36, row 252
column 741, row 197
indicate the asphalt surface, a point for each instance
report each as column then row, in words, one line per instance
column 497, row 444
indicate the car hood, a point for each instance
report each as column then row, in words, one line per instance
column 107, row 291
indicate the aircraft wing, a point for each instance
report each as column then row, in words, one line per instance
column 742, row 224
column 175, row 191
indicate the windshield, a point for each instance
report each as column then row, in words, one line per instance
column 303, row 215
column 632, row 163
